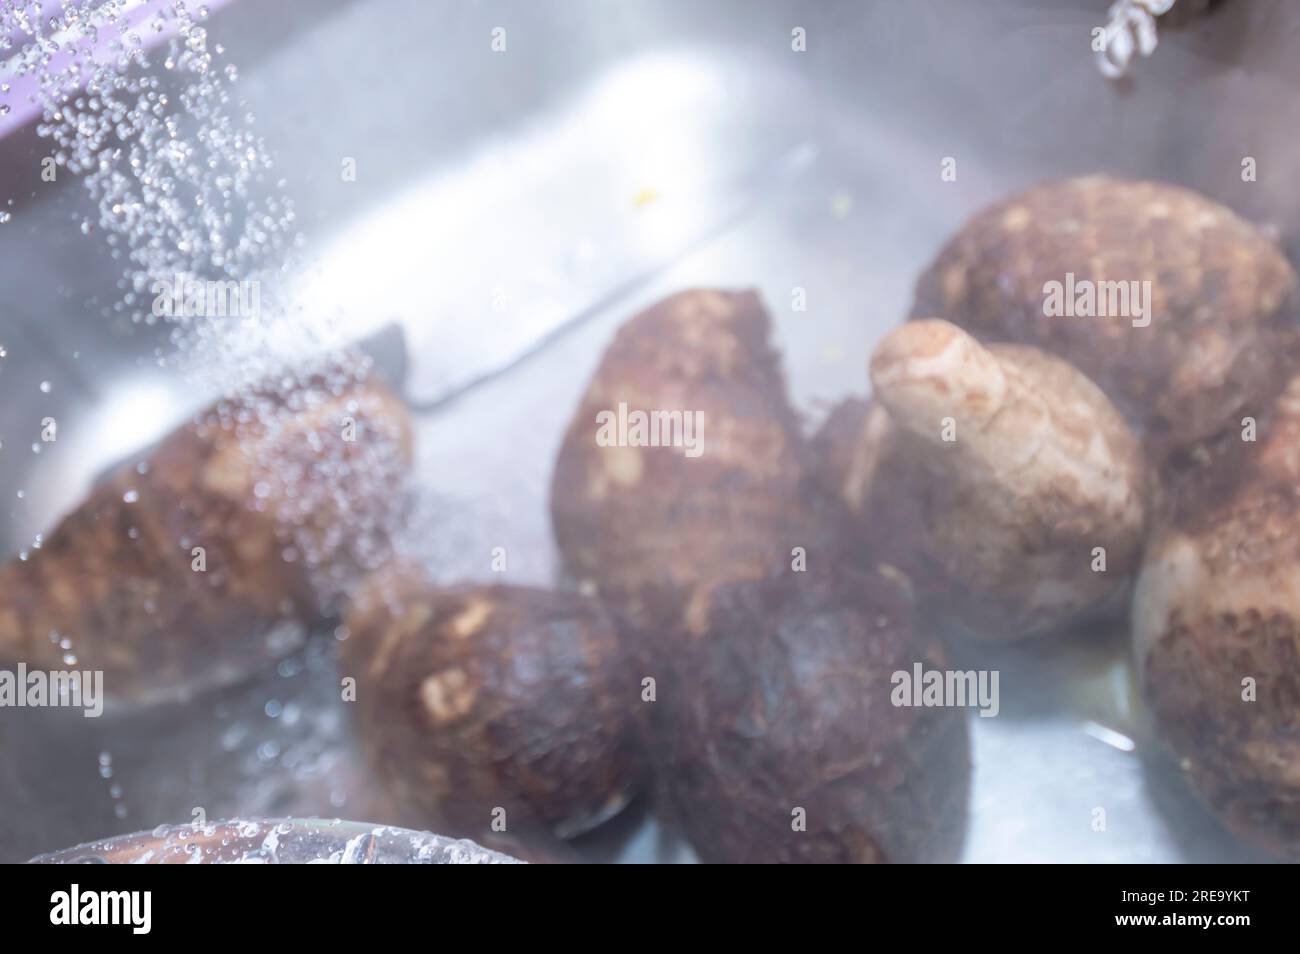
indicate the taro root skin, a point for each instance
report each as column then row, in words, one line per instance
column 858, row 458
column 1218, row 603
column 472, row 698
column 997, row 476
column 1222, row 327
column 117, row 578
column 772, row 686
column 783, row 703
column 645, row 525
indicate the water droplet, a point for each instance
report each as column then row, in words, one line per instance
column 182, row 187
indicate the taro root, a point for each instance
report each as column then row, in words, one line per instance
column 1216, row 628
column 482, row 706
column 771, row 686
column 1217, row 331
column 775, row 736
column 205, row 559
column 860, row 460
column 1001, row 478
column 646, row 524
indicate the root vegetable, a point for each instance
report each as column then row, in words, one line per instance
column 201, row 562
column 647, row 524
column 776, row 737
column 1000, row 477
column 478, row 699
column 1218, row 329
column 772, row 686
column 1216, row 628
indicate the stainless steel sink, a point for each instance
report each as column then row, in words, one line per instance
column 509, row 209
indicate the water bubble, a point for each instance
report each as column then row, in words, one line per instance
column 233, row 736
column 182, row 189
column 139, row 150
column 131, row 496
column 46, row 387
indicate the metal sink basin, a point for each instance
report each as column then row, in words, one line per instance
column 509, row 209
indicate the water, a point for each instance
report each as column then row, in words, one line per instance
column 144, row 109
column 163, row 146
column 146, row 115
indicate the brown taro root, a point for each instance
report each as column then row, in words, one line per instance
column 489, row 706
column 1216, row 628
column 775, row 736
column 1217, row 330
column 647, row 524
column 771, row 688
column 1001, row 478
column 204, row 560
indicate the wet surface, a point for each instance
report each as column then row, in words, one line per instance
column 606, row 160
